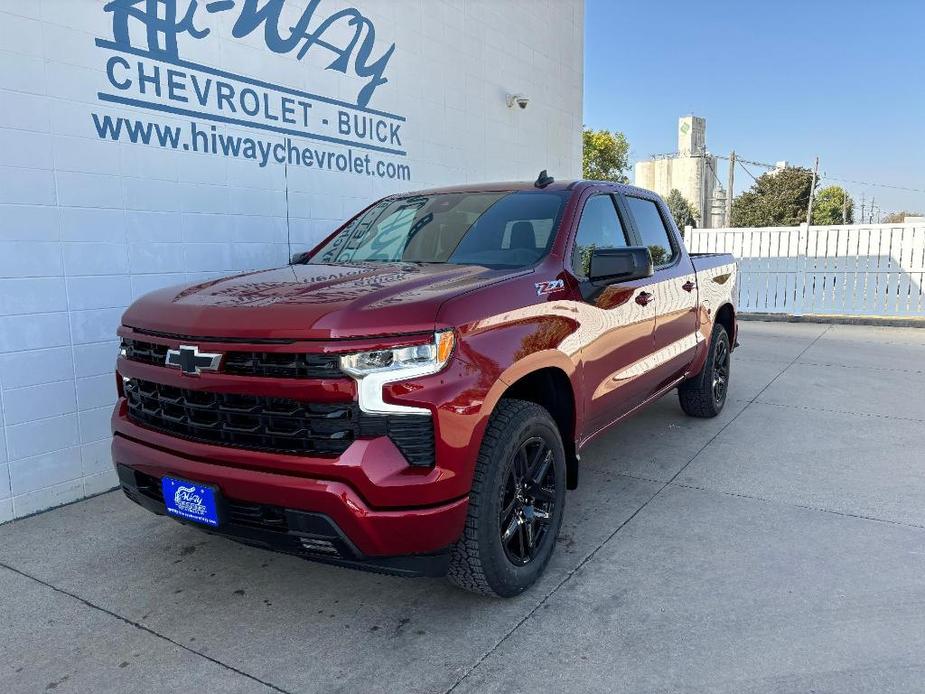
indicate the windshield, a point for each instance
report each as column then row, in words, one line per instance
column 490, row 229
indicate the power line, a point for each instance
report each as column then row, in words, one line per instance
column 754, row 163
column 875, row 185
column 739, row 161
column 827, row 177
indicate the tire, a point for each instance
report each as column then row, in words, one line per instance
column 520, row 436
column 705, row 394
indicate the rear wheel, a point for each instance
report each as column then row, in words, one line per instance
column 705, row 394
column 516, row 503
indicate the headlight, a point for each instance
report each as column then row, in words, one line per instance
column 433, row 355
column 373, row 370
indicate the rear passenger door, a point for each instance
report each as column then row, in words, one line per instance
column 616, row 326
column 674, row 291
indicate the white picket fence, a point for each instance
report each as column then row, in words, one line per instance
column 869, row 270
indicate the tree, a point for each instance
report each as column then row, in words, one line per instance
column 683, row 212
column 829, row 204
column 899, row 217
column 605, row 155
column 659, row 254
column 778, row 198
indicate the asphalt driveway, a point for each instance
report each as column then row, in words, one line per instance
column 779, row 547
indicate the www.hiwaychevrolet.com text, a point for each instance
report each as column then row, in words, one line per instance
column 208, row 140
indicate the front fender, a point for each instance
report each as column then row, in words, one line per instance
column 491, row 355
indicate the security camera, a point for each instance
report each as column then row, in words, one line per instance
column 519, row 99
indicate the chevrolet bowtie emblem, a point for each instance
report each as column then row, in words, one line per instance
column 191, row 361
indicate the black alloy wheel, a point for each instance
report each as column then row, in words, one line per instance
column 720, row 372
column 516, row 503
column 528, row 499
column 705, row 393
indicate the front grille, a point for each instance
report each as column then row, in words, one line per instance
column 257, row 516
column 145, row 352
column 244, row 421
column 282, row 365
column 263, row 364
column 273, row 424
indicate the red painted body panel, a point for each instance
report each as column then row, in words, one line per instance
column 615, row 353
column 311, row 302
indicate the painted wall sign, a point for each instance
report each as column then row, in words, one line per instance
column 145, row 68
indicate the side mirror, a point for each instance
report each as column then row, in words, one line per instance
column 610, row 265
column 298, row 258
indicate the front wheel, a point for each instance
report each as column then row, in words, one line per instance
column 516, row 503
column 705, row 394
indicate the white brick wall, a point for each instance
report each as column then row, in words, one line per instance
column 87, row 225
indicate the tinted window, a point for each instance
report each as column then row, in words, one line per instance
column 599, row 227
column 491, row 229
column 652, row 229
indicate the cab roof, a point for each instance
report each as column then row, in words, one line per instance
column 512, row 186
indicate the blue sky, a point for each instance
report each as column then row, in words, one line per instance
column 844, row 80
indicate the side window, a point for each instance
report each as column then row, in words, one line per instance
column 599, row 227
column 652, row 229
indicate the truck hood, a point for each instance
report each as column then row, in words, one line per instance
column 311, row 301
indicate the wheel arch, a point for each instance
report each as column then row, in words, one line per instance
column 551, row 388
column 726, row 317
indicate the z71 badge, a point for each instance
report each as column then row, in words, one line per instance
column 549, row 287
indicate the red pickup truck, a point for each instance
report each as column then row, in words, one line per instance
column 412, row 395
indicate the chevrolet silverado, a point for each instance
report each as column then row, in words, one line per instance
column 412, row 395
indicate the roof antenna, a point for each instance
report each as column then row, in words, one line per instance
column 543, row 179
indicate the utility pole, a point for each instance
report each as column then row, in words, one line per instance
column 872, row 201
column 812, row 192
column 730, row 187
column 704, row 202
column 844, row 206
column 862, row 208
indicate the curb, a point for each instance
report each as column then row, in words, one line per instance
column 891, row 322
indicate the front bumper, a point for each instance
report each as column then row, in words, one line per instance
column 308, row 535
column 410, row 540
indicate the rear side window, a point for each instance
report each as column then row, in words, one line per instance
column 599, row 227
column 652, row 230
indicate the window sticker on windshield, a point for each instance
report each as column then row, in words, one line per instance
column 549, row 286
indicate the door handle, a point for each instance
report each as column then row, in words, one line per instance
column 688, row 286
column 644, row 298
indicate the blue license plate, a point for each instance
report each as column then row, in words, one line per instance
column 191, row 501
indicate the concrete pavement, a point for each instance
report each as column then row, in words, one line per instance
column 779, row 547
